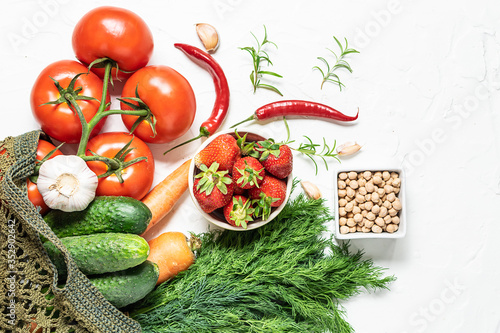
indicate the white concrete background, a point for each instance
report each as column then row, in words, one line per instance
column 427, row 84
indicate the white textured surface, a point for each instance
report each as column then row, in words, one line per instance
column 427, row 84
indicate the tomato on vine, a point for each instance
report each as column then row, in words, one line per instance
column 116, row 35
column 169, row 98
column 133, row 166
column 51, row 96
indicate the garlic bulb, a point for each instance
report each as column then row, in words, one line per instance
column 348, row 148
column 66, row 183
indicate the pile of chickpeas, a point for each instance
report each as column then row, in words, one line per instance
column 368, row 201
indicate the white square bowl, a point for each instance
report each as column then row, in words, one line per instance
column 401, row 232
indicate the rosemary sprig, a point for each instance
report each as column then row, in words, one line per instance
column 260, row 56
column 310, row 149
column 328, row 74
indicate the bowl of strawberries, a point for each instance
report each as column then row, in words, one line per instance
column 240, row 180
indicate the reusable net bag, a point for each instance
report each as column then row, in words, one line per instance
column 29, row 291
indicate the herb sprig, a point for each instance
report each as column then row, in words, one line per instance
column 328, row 74
column 260, row 56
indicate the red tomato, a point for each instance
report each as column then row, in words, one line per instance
column 137, row 178
column 59, row 121
column 170, row 98
column 114, row 33
column 44, row 147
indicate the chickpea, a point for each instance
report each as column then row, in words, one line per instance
column 396, row 190
column 375, row 197
column 394, row 175
column 350, row 222
column 388, row 189
column 391, row 197
column 393, row 212
column 397, row 204
column 350, row 215
column 362, row 223
column 342, row 221
column 392, row 228
column 375, row 209
column 353, row 184
column 343, row 175
column 370, row 216
column 381, row 191
column 358, row 228
column 349, row 206
column 383, row 212
column 369, row 187
column 362, row 182
column 356, row 210
column 342, row 193
column 342, row 211
column 368, row 223
column 387, row 204
column 347, row 181
column 366, row 229
column 377, row 180
column 344, row 229
column 368, row 197
column 367, row 175
column 378, row 173
column 396, row 182
column 352, row 175
column 342, row 202
column 386, row 175
column 377, row 229
column 395, row 219
column 368, row 205
column 388, row 219
column 358, row 218
column 350, row 192
column 362, row 206
column 364, row 212
column 389, row 182
column 362, row 191
column 382, row 184
column 341, row 184
column 352, row 229
column 379, row 221
column 360, row 199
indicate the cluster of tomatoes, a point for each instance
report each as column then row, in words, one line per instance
column 157, row 104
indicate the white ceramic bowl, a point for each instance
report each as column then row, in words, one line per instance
column 401, row 232
column 217, row 218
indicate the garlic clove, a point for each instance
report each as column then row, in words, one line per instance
column 66, row 183
column 311, row 190
column 348, row 148
column 208, row 36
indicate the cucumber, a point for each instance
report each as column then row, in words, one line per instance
column 103, row 214
column 128, row 286
column 100, row 253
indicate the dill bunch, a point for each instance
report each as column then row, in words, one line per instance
column 282, row 277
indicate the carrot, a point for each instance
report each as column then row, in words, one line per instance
column 173, row 253
column 162, row 198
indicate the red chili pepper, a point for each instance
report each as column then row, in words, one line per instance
column 298, row 108
column 221, row 104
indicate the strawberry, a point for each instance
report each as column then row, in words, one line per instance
column 277, row 158
column 212, row 188
column 248, row 172
column 270, row 193
column 238, row 212
column 223, row 149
